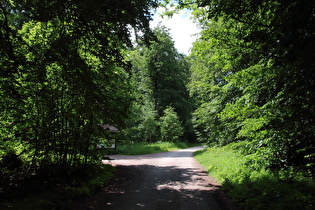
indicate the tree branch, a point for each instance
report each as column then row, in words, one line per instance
column 245, row 22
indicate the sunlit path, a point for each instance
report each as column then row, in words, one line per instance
column 168, row 180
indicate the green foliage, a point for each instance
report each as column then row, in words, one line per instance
column 62, row 73
column 159, row 78
column 212, row 63
column 65, row 67
column 253, row 80
column 171, row 128
column 256, row 188
column 150, row 128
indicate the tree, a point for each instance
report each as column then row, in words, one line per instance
column 272, row 75
column 214, row 58
column 150, row 127
column 168, row 73
column 62, row 73
column 171, row 128
column 160, row 75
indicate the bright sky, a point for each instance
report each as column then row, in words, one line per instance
column 181, row 28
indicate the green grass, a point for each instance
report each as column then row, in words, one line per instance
column 146, row 148
column 256, row 189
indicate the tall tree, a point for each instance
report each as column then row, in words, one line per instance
column 161, row 76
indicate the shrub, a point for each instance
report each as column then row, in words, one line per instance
column 171, row 128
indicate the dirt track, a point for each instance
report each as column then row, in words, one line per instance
column 169, row 180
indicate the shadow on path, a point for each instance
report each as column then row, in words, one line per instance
column 153, row 187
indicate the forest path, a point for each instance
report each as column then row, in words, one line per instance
column 168, row 180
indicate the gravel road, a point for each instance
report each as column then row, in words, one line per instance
column 168, row 180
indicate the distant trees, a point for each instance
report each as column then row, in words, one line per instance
column 160, row 75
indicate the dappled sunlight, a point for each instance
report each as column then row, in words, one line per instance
column 168, row 187
column 172, row 180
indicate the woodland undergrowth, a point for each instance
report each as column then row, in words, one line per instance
column 252, row 187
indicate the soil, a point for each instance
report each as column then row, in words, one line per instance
column 169, row 180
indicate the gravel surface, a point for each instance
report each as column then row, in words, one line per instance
column 168, row 180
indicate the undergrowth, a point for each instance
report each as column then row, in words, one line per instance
column 146, row 148
column 256, row 188
column 57, row 191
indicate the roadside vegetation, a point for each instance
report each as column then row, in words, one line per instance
column 55, row 188
column 251, row 186
column 147, row 148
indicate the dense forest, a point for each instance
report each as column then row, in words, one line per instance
column 253, row 79
column 68, row 66
column 63, row 72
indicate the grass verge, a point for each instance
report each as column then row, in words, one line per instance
column 256, row 189
column 146, row 148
